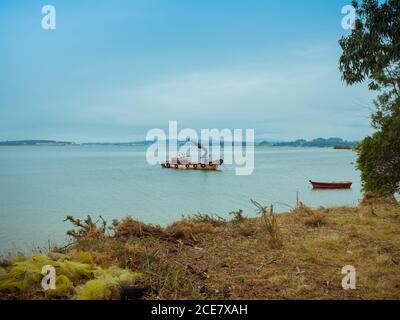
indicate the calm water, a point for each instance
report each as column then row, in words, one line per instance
column 39, row 186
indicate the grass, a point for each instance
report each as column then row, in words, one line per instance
column 298, row 255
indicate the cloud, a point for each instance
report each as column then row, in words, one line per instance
column 286, row 99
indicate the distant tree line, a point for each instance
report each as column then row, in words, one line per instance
column 319, row 142
column 33, row 143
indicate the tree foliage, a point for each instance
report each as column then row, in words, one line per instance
column 372, row 53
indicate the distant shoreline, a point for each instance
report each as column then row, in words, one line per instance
column 336, row 143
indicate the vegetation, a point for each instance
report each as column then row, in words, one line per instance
column 372, row 53
column 341, row 147
column 35, row 143
column 319, row 142
column 298, row 255
column 270, row 225
column 77, row 277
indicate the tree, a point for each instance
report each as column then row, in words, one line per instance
column 372, row 53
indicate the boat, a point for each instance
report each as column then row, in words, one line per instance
column 331, row 185
column 210, row 166
column 186, row 163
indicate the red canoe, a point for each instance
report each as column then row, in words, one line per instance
column 331, row 185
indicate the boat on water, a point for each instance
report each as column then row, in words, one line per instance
column 331, row 185
column 210, row 166
column 184, row 162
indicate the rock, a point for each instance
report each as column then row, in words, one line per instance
column 58, row 256
column 134, row 292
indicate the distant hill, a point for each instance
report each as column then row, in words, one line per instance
column 35, row 143
column 319, row 142
column 337, row 143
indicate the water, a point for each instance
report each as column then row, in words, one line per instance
column 40, row 186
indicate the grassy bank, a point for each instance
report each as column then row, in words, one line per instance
column 298, row 255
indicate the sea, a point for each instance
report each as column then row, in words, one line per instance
column 41, row 185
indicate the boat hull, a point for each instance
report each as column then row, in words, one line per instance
column 212, row 166
column 331, row 185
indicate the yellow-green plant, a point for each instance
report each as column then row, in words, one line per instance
column 25, row 275
column 106, row 284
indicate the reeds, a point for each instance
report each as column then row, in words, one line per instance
column 270, row 224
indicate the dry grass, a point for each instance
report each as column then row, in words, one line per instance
column 187, row 229
column 298, row 255
column 129, row 228
column 309, row 217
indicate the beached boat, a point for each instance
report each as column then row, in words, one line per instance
column 186, row 163
column 331, row 185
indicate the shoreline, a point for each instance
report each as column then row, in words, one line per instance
column 297, row 255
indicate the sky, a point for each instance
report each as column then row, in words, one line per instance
column 112, row 70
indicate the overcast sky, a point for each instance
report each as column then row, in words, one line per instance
column 112, row 70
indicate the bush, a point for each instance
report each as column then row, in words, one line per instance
column 237, row 217
column 129, row 228
column 371, row 198
column 215, row 221
column 315, row 220
column 87, row 228
column 186, row 229
column 270, row 225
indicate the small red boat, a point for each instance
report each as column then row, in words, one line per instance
column 331, row 185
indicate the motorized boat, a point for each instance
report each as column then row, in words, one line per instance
column 184, row 162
